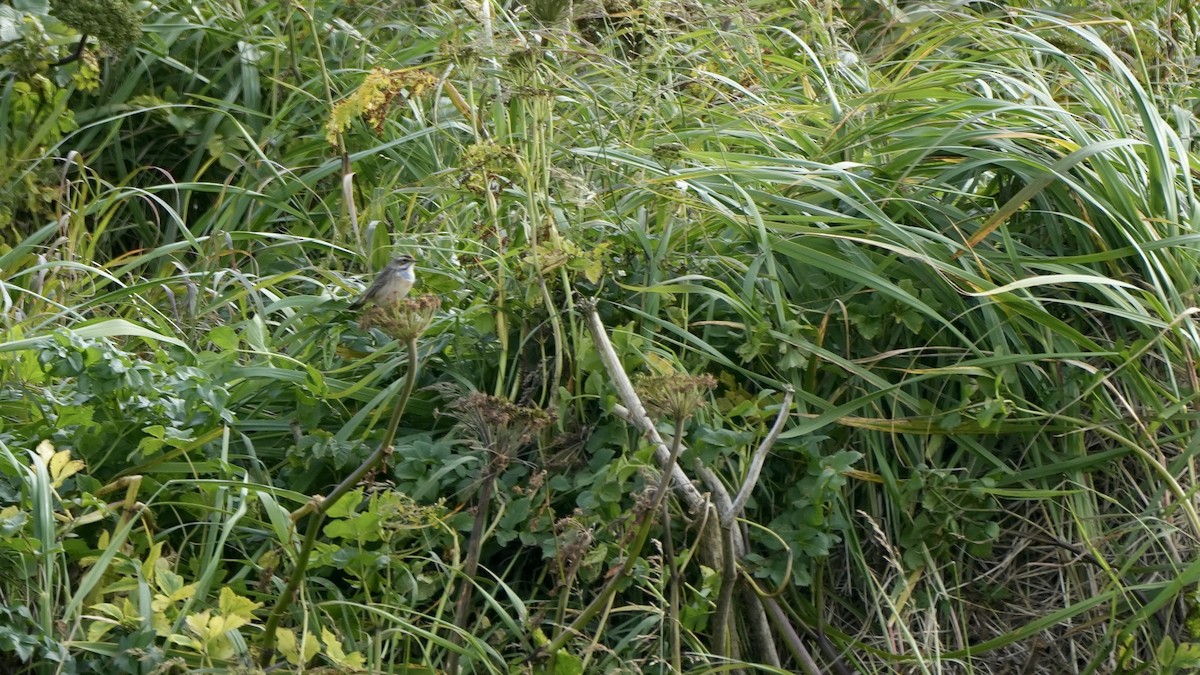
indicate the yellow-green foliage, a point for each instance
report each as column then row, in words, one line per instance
column 373, row 99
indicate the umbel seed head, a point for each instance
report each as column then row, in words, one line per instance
column 677, row 395
column 405, row 319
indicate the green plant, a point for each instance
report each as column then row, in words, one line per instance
column 938, row 258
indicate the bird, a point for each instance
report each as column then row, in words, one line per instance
column 390, row 285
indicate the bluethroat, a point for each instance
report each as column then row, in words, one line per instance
column 390, row 285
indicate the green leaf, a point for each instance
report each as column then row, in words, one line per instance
column 106, row 328
column 224, row 338
column 346, row 505
column 566, row 663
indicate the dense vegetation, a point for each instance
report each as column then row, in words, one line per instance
column 932, row 266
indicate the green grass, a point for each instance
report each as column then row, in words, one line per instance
column 964, row 237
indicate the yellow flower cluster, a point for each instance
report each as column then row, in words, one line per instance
column 373, row 98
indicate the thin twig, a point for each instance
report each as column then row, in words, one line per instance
column 760, row 456
column 75, row 54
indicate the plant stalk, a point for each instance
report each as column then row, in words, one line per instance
column 470, row 567
column 673, row 589
column 635, row 550
column 317, row 507
column 723, row 619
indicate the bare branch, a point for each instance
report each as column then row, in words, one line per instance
column 790, row 637
column 760, row 456
column 633, row 410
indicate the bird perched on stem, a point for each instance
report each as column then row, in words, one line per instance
column 390, row 285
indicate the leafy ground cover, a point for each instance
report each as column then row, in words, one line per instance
column 763, row 337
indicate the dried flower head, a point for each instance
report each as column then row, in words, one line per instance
column 677, row 395
column 404, row 320
column 525, row 59
column 572, row 541
column 668, row 153
column 498, row 424
column 465, row 56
